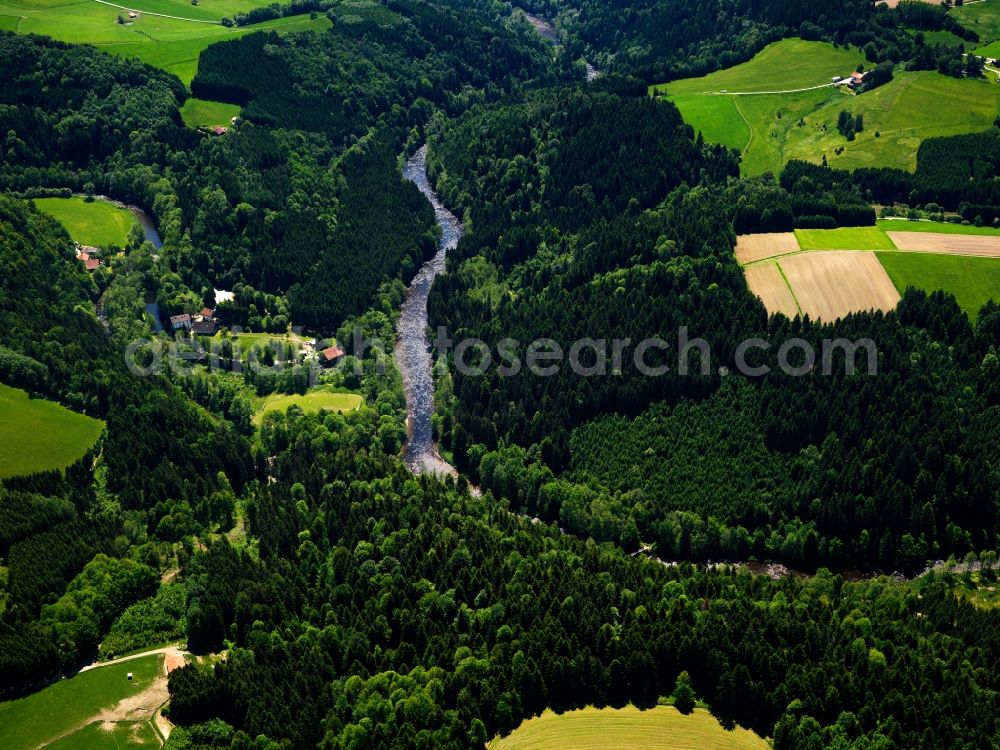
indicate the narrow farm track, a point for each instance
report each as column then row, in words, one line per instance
column 757, row 93
column 161, row 15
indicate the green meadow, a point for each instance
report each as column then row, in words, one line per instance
column 936, row 227
column 121, row 735
column 37, row 435
column 55, row 711
column 972, row 280
column 984, row 19
column 94, row 223
column 173, row 44
column 199, row 113
column 844, row 238
column 311, row 402
column 772, row 128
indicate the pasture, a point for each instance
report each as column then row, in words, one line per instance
column 67, row 709
column 797, row 120
column 937, row 227
column 96, row 222
column 311, row 402
column 626, row 728
column 844, row 238
column 172, row 44
column 38, row 435
column 984, row 19
column 973, row 281
column 201, row 113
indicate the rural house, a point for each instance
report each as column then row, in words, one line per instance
column 177, row 322
column 330, row 355
column 204, row 327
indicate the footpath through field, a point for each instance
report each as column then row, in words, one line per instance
column 161, row 15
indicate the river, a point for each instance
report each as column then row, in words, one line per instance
column 413, row 356
column 547, row 31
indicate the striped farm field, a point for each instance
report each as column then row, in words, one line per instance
column 769, row 284
column 947, row 244
column 827, row 273
column 662, row 727
column 833, row 284
column 754, row 247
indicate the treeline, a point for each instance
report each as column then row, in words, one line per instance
column 387, row 611
column 955, row 173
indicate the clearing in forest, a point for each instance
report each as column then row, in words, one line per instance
column 81, row 711
column 311, row 402
column 95, row 222
column 626, row 728
column 38, row 435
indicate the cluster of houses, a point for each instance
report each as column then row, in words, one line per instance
column 853, row 81
column 202, row 324
column 88, row 256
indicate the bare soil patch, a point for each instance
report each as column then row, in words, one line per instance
column 753, row 247
column 947, row 244
column 766, row 282
column 832, row 284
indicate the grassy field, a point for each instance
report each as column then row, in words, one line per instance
column 973, row 281
column 244, row 342
column 313, row 401
column 662, row 727
column 815, row 64
column 770, row 129
column 41, row 717
column 121, row 735
column 936, row 227
column 36, row 435
column 168, row 43
column 198, row 113
column 845, row 238
column 984, row 19
column 95, row 223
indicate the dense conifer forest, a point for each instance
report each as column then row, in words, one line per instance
column 593, row 548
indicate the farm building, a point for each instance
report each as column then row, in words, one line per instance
column 330, row 355
column 204, row 327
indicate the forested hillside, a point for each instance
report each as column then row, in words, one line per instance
column 161, row 456
column 392, row 612
column 883, row 471
column 662, row 41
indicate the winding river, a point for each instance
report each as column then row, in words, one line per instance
column 413, row 356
